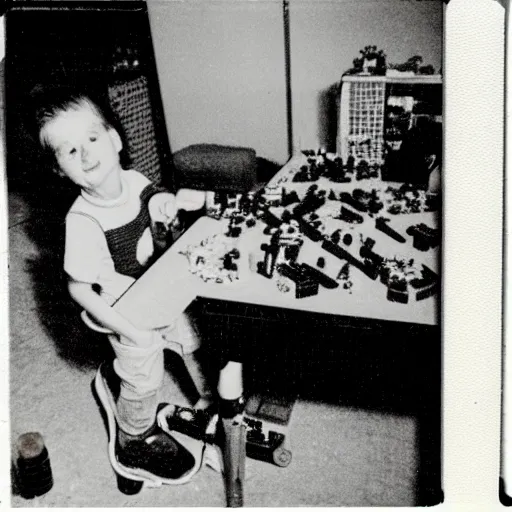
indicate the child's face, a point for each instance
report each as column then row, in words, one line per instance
column 86, row 151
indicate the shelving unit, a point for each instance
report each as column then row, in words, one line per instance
column 368, row 129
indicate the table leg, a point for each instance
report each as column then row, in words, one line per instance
column 230, row 390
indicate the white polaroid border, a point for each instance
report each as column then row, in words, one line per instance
column 472, row 248
column 473, row 71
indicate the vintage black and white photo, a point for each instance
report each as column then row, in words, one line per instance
column 225, row 237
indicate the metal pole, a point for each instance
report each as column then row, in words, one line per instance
column 287, row 64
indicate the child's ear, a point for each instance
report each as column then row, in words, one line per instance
column 116, row 138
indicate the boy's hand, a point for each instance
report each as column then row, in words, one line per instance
column 162, row 208
column 189, row 199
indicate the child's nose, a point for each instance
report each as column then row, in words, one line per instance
column 85, row 153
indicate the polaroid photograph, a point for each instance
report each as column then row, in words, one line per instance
column 225, row 230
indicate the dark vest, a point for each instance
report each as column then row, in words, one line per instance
column 122, row 241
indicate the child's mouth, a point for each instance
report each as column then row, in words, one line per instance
column 93, row 168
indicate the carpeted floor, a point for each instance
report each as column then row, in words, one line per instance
column 342, row 455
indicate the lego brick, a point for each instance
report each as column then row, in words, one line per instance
column 322, row 279
column 427, row 292
column 270, row 219
column 306, row 289
column 367, row 253
column 382, row 225
column 368, row 268
column 350, row 216
column 347, row 198
column 398, row 294
column 310, row 231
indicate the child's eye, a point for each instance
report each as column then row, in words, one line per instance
column 93, row 138
column 72, row 151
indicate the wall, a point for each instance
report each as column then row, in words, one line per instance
column 221, row 68
column 221, row 64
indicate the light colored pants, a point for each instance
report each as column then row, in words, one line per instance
column 141, row 370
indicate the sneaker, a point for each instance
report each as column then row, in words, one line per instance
column 156, row 452
column 154, row 457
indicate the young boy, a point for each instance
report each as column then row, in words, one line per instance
column 109, row 245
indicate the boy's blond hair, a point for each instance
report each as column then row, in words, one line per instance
column 48, row 105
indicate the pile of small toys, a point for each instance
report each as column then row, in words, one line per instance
column 288, row 219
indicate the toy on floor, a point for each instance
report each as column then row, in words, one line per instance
column 268, row 419
column 33, row 469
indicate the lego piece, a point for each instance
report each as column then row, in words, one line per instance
column 270, row 219
column 272, row 196
column 338, row 251
column 291, row 252
column 323, row 279
column 306, row 288
column 420, row 243
column 347, row 198
column 304, row 285
column 368, row 254
column 429, row 277
column 397, row 291
column 267, row 266
column 191, row 422
column 381, row 223
column 266, row 448
column 350, row 216
column 234, row 231
column 368, row 268
column 427, row 292
column 432, row 235
column 310, row 231
column 424, row 237
column 369, row 243
column 289, row 198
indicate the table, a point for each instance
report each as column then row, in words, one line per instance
column 149, row 302
column 168, row 287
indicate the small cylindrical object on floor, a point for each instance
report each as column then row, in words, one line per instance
column 34, row 470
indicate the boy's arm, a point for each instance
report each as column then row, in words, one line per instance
column 107, row 316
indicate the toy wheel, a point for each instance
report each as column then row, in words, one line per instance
column 282, row 457
column 128, row 486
